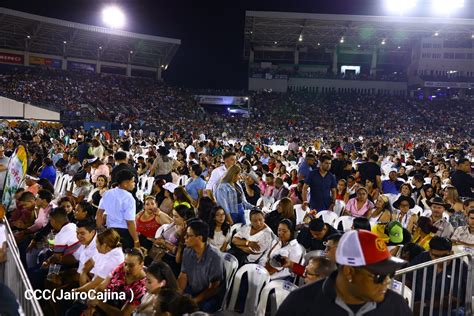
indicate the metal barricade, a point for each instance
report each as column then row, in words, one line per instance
column 17, row 279
column 428, row 296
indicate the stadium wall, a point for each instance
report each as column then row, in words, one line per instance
column 277, row 85
column 372, row 87
column 17, row 110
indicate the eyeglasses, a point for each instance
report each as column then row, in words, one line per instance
column 379, row 278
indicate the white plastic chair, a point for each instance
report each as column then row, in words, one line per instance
column 339, row 206
column 64, row 185
column 275, row 205
column 235, row 227
column 346, row 222
column 426, row 213
column 417, row 210
column 59, row 177
column 300, row 213
column 141, row 182
column 149, row 181
column 58, row 184
column 182, row 180
column 446, row 215
column 399, row 287
column 329, row 217
column 257, row 277
column 231, row 264
column 247, row 216
column 266, row 203
column 281, row 289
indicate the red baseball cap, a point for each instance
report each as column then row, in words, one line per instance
column 361, row 248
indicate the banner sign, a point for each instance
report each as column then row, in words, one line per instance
column 223, row 100
column 15, row 174
column 11, row 58
column 458, row 85
column 74, row 65
column 37, row 60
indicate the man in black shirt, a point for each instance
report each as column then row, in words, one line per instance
column 338, row 165
column 462, row 180
column 439, row 247
column 371, row 170
column 359, row 287
column 122, row 164
column 315, row 235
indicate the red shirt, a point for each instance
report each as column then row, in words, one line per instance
column 147, row 228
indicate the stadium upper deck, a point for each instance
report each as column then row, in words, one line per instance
column 21, row 31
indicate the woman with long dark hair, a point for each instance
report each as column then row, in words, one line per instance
column 219, row 229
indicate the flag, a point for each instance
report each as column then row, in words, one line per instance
column 15, row 175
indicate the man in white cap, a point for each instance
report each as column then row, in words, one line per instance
column 358, row 287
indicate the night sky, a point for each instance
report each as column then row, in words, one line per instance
column 211, row 53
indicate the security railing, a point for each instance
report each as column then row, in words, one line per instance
column 17, row 279
column 451, row 294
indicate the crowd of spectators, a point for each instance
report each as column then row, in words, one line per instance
column 398, row 168
column 152, row 106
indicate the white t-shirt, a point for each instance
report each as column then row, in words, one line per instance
column 219, row 239
column 106, row 263
column 216, row 176
column 65, row 241
column 293, row 251
column 264, row 239
column 84, row 253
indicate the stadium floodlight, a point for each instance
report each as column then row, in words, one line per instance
column 341, row 40
column 436, row 34
column 64, row 42
column 113, row 17
column 28, row 37
column 400, row 6
column 383, row 42
column 446, row 7
column 319, row 44
column 300, row 39
column 399, row 47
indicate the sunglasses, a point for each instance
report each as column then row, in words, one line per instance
column 379, row 278
column 306, row 274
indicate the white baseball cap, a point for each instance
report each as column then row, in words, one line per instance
column 170, row 186
column 362, row 248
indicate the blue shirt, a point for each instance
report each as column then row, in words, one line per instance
column 194, row 186
column 49, row 173
column 304, row 170
column 320, row 189
column 120, row 207
column 392, row 187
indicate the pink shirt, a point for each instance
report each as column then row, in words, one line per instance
column 102, row 170
column 352, row 207
column 41, row 220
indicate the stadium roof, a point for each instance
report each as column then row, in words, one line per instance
column 47, row 36
column 273, row 31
